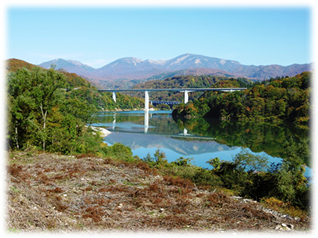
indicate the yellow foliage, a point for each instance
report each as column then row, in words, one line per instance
column 284, row 207
column 103, row 145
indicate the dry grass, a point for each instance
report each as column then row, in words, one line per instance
column 49, row 192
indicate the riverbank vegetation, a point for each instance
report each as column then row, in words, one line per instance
column 274, row 100
column 246, row 175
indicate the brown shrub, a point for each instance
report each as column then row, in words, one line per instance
column 95, row 168
column 256, row 213
column 14, row 169
column 96, row 213
column 102, row 201
column 60, row 206
column 46, row 170
column 103, row 189
column 200, row 195
column 216, row 199
column 136, row 193
column 157, row 200
column 176, row 210
column 109, row 161
column 84, row 156
column 184, row 183
column 117, row 188
column 72, row 174
column 204, row 187
column 145, row 167
column 154, row 187
column 137, row 202
column 88, row 188
column 87, row 201
column 57, row 198
column 55, row 190
column 59, row 177
column 94, row 183
column 174, row 221
column 24, row 176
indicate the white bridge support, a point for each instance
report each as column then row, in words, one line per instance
column 186, row 96
column 146, row 101
column 185, row 131
column 114, row 96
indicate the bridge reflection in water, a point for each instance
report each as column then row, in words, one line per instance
column 146, row 126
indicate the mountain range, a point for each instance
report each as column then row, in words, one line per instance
column 131, row 68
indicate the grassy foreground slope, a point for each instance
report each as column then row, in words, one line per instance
column 51, row 192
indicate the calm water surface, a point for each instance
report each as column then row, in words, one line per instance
column 200, row 139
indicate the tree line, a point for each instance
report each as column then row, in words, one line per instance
column 279, row 99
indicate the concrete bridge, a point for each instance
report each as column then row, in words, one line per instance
column 186, row 92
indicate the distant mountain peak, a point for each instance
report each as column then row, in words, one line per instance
column 130, row 68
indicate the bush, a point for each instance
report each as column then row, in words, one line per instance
column 206, row 177
column 118, row 150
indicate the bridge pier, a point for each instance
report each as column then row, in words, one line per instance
column 114, row 96
column 146, row 101
column 185, row 131
column 186, row 96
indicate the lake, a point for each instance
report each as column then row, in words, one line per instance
column 198, row 138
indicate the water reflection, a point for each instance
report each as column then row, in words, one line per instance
column 146, row 121
column 201, row 139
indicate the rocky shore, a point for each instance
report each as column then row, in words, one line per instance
column 104, row 132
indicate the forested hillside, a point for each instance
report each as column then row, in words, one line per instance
column 276, row 99
column 188, row 81
column 48, row 109
column 80, row 88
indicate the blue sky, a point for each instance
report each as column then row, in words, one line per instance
column 98, row 36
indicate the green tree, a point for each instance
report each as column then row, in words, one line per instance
column 32, row 95
column 246, row 161
column 20, row 106
column 46, row 95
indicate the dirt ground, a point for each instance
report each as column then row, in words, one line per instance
column 48, row 192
